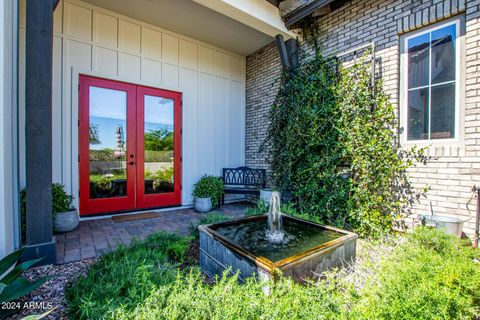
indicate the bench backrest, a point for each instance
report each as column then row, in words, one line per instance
column 244, row 176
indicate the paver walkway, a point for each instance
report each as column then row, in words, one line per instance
column 96, row 237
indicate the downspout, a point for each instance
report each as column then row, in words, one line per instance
column 477, row 218
column 288, row 51
column 15, row 140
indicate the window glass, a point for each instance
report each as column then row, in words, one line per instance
column 443, row 112
column 418, row 61
column 431, row 84
column 158, row 145
column 107, row 130
column 443, row 54
column 418, row 114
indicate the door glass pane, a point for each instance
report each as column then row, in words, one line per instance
column 158, row 145
column 443, row 54
column 418, row 114
column 107, row 134
column 418, row 61
column 443, row 112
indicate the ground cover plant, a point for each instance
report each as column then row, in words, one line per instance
column 427, row 275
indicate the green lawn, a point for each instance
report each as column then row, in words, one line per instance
column 427, row 275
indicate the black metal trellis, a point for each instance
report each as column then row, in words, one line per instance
column 356, row 51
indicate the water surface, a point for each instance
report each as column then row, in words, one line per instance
column 299, row 236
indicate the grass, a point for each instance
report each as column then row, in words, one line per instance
column 126, row 276
column 426, row 275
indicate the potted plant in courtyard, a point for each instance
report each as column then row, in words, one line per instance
column 65, row 216
column 207, row 191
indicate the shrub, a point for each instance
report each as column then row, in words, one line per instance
column 432, row 275
column 429, row 275
column 61, row 201
column 209, row 187
column 259, row 209
column 285, row 208
column 122, row 279
column 332, row 145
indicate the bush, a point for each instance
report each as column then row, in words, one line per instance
column 428, row 275
column 262, row 208
column 209, row 187
column 61, row 201
column 259, row 209
column 432, row 275
column 332, row 145
column 122, row 279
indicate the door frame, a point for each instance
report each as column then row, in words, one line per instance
column 87, row 206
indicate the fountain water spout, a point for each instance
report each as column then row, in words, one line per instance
column 275, row 230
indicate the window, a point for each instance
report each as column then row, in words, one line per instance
column 430, row 74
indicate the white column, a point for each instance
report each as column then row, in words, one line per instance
column 9, row 230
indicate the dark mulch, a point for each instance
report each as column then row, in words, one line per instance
column 192, row 260
column 192, row 256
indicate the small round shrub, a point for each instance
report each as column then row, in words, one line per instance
column 61, row 201
column 209, row 187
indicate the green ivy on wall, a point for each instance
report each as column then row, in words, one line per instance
column 333, row 147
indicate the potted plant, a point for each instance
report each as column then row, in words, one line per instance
column 65, row 216
column 207, row 191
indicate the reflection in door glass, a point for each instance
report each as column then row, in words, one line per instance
column 158, row 144
column 107, row 135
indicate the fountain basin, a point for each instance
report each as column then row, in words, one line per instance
column 311, row 250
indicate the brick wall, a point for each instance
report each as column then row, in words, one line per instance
column 455, row 167
column 263, row 78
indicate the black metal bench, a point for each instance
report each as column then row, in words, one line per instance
column 243, row 180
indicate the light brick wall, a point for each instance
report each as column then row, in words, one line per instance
column 263, row 79
column 454, row 168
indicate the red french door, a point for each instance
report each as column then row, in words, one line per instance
column 129, row 146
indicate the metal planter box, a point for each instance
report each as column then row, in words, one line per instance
column 217, row 253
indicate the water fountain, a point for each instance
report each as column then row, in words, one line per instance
column 275, row 232
column 262, row 245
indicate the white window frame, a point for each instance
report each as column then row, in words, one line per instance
column 404, row 83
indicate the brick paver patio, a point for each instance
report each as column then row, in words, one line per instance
column 96, row 237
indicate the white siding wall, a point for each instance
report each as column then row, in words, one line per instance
column 95, row 41
column 8, row 169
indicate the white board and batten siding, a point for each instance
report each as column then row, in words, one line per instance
column 94, row 41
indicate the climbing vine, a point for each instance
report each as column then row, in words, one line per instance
column 310, row 31
column 333, row 148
